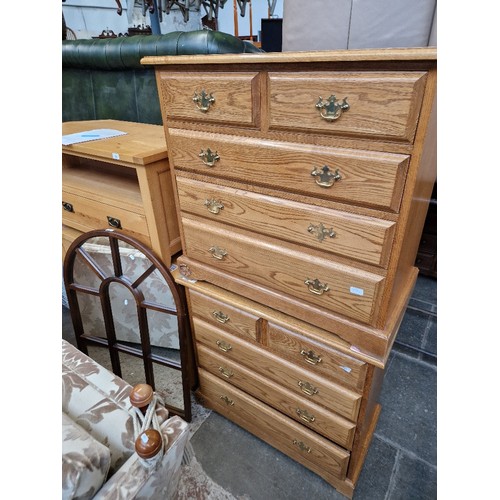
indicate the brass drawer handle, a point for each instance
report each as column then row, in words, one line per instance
column 67, row 206
column 217, row 253
column 228, row 401
column 214, row 206
column 325, row 177
column 113, row 222
column 301, row 446
column 203, row 100
column 331, row 109
column 225, row 372
column 311, row 357
column 224, row 346
column 305, row 416
column 208, row 157
column 307, row 388
column 320, row 231
column 220, row 316
column 315, row 286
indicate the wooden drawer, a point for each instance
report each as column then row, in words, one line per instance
column 353, row 236
column 349, row 291
column 319, row 358
column 221, row 314
column 381, row 105
column 328, row 424
column 366, row 178
column 293, row 439
column 298, row 380
column 236, row 97
column 90, row 214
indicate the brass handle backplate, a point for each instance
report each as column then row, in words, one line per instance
column 67, row 206
column 315, row 286
column 224, row 346
column 114, row 222
column 208, row 157
column 228, row 401
column 306, row 417
column 311, row 357
column 217, row 253
column 214, row 206
column 220, row 316
column 301, row 446
column 225, row 372
column 331, row 109
column 320, row 231
column 203, row 100
column 307, row 388
column 325, row 177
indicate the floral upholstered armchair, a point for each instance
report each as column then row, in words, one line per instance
column 106, row 453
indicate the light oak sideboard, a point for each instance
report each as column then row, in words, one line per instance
column 122, row 182
column 302, row 182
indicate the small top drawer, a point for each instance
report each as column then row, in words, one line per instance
column 223, row 315
column 318, row 357
column 374, row 104
column 229, row 98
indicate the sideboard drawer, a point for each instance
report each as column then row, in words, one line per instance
column 366, row 239
column 383, row 105
column 316, row 172
column 86, row 214
column 336, row 398
column 317, row 280
column 223, row 315
column 230, row 98
column 302, row 444
column 319, row 358
column 317, row 418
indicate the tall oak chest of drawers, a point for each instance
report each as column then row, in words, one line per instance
column 302, row 182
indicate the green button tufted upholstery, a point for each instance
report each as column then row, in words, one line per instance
column 104, row 79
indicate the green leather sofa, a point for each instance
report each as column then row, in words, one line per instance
column 104, row 79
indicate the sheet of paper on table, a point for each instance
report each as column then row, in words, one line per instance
column 90, row 135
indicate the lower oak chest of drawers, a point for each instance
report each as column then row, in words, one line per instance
column 301, row 181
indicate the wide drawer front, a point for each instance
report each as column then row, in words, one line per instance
column 293, row 439
column 309, row 414
column 384, row 105
column 345, row 175
column 231, row 98
column 233, row 320
column 319, row 358
column 298, row 380
column 86, row 214
column 361, row 238
column 319, row 281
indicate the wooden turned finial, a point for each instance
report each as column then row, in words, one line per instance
column 141, row 395
column 148, row 444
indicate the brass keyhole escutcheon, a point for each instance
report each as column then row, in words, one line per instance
column 320, row 231
column 214, row 206
column 208, row 157
column 315, row 286
column 203, row 100
column 331, row 109
column 325, row 177
column 217, row 253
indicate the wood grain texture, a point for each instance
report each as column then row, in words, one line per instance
column 368, row 178
column 334, row 397
column 315, row 417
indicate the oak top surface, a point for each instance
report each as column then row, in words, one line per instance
column 142, row 144
column 385, row 54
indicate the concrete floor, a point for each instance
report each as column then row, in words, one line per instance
column 401, row 462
